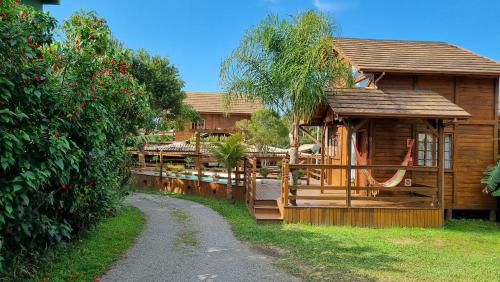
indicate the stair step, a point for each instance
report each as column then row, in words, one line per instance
column 268, row 218
column 264, row 210
column 265, row 202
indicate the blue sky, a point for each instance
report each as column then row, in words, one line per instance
column 197, row 34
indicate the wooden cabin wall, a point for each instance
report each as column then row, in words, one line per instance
column 212, row 121
column 475, row 140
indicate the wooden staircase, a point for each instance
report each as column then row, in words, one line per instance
column 267, row 211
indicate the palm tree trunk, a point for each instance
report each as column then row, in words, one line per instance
column 229, row 190
column 294, row 154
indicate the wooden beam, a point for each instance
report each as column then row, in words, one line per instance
column 440, row 177
column 198, row 158
column 360, row 78
column 322, row 176
column 309, row 135
column 349, row 164
column 360, row 124
column 430, row 127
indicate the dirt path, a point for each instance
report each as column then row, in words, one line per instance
column 186, row 241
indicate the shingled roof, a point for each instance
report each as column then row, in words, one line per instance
column 213, row 102
column 376, row 55
column 368, row 102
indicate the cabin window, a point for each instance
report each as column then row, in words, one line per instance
column 426, row 151
column 198, row 125
column 448, row 150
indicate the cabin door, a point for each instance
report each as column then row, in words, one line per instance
column 362, row 147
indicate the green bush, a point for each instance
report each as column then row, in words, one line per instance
column 66, row 110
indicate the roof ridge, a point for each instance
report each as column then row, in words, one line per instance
column 394, row 40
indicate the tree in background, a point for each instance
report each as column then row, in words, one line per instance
column 162, row 80
column 264, row 129
column 287, row 65
column 228, row 153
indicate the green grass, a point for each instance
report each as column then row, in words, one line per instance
column 464, row 250
column 94, row 252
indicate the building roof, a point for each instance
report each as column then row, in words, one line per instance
column 375, row 55
column 213, row 102
column 190, row 147
column 368, row 102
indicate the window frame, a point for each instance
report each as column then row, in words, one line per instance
column 434, row 147
column 196, row 125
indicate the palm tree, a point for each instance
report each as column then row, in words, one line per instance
column 228, row 153
column 287, row 65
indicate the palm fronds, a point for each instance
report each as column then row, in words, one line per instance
column 491, row 177
column 228, row 152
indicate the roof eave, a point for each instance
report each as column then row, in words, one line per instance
column 425, row 71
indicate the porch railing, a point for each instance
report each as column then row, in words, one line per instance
column 317, row 192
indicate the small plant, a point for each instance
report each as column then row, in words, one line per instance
column 300, row 173
column 264, row 171
column 189, row 161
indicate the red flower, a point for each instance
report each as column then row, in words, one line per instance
column 78, row 110
column 97, row 279
column 29, row 39
column 56, row 133
column 64, row 186
column 23, row 52
column 82, row 103
column 37, row 79
column 22, row 14
column 73, row 84
column 4, row 15
column 7, row 232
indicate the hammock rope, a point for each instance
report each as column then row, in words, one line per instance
column 396, row 178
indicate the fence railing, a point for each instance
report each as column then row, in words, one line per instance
column 349, row 190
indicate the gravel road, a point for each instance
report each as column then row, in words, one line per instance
column 186, row 241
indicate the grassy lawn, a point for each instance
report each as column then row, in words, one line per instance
column 95, row 251
column 464, row 250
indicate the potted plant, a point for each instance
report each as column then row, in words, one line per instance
column 189, row 161
column 264, row 171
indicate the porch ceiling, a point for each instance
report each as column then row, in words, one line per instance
column 368, row 102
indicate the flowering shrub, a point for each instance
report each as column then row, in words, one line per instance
column 66, row 110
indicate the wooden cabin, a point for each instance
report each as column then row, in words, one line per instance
column 210, row 106
column 426, row 109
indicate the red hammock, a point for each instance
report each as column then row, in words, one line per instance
column 398, row 176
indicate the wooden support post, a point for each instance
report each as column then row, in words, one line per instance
column 308, row 171
column 440, row 177
column 237, row 174
column 493, row 215
column 449, row 214
column 349, row 164
column 284, row 179
column 198, row 159
column 161, row 165
column 254, row 180
column 322, row 175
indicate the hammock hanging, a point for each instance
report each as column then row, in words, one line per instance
column 396, row 178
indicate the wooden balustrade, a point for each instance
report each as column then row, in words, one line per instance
column 407, row 194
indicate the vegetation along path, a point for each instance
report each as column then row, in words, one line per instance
column 186, row 241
